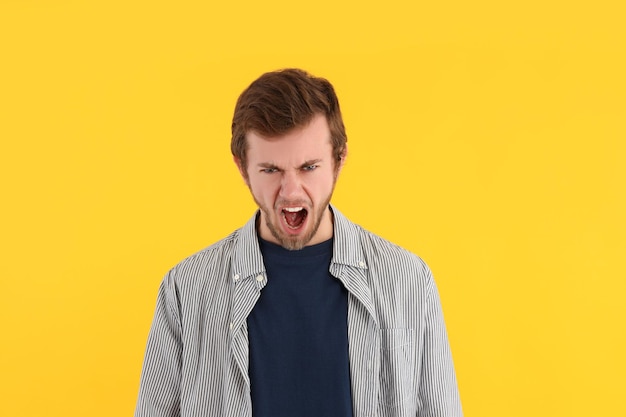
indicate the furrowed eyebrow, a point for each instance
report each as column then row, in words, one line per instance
column 267, row 165
column 310, row 162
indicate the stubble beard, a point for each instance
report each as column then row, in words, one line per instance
column 295, row 242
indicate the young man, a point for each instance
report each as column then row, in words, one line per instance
column 300, row 312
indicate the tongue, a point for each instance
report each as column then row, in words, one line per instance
column 294, row 219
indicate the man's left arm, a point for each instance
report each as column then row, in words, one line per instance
column 438, row 389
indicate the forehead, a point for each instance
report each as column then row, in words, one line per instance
column 311, row 141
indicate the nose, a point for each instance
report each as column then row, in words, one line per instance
column 290, row 186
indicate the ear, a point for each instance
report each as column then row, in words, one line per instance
column 242, row 170
column 342, row 158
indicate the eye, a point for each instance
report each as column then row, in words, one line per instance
column 269, row 170
column 309, row 167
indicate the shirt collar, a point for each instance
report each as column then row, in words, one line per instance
column 248, row 259
column 347, row 248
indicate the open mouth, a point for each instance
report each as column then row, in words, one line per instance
column 294, row 216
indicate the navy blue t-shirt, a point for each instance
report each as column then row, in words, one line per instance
column 298, row 330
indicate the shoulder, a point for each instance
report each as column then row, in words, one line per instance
column 356, row 244
column 384, row 254
column 399, row 282
column 205, row 264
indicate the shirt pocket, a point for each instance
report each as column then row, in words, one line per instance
column 397, row 368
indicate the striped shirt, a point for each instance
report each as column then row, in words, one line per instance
column 196, row 361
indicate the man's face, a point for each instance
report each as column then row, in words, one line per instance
column 292, row 178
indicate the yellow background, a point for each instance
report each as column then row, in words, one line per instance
column 486, row 136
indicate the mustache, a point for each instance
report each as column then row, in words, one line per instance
column 291, row 203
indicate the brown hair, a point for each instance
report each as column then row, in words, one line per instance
column 280, row 101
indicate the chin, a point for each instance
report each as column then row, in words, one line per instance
column 291, row 242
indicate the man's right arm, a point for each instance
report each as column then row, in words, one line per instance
column 159, row 391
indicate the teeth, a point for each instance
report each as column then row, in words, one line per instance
column 293, row 209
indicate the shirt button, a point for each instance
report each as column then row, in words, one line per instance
column 236, row 277
column 259, row 278
column 231, row 325
column 362, row 264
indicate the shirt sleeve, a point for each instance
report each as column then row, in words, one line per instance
column 159, row 390
column 438, row 392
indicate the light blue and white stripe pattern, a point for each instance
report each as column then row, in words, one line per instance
column 196, row 361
